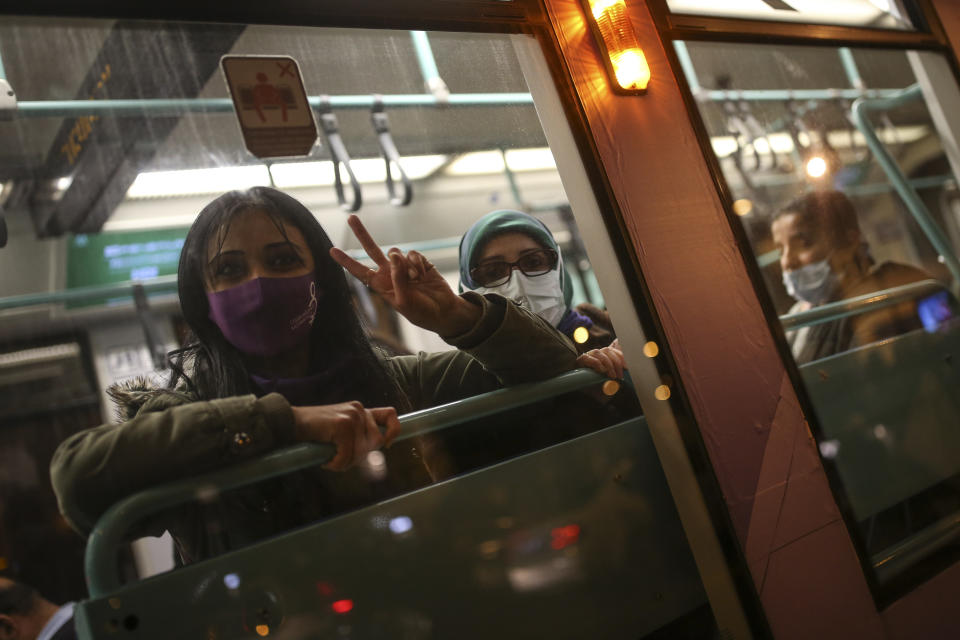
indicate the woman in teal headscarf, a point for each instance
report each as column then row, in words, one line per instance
column 514, row 254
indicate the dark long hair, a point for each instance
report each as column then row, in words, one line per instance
column 213, row 368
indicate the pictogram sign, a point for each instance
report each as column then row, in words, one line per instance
column 271, row 105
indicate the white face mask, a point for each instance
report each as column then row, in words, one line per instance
column 811, row 283
column 541, row 294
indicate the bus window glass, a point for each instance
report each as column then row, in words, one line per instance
column 204, row 331
column 876, row 14
column 839, row 174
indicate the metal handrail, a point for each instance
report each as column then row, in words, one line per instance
column 908, row 552
column 860, row 304
column 161, row 107
column 164, row 107
column 154, row 286
column 110, row 531
column 861, row 107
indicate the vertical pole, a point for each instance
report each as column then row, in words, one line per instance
column 850, row 68
column 428, row 66
column 683, row 55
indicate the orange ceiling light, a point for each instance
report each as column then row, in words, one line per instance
column 626, row 65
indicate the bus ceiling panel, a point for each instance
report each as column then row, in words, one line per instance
column 38, row 70
column 466, row 15
column 102, row 156
column 696, row 27
column 756, row 66
column 73, row 167
column 356, row 62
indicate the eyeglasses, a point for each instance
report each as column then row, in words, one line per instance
column 496, row 273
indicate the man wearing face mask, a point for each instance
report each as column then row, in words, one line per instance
column 824, row 259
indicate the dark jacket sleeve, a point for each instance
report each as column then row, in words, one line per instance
column 94, row 469
column 509, row 345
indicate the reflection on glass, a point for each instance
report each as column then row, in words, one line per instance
column 536, row 509
column 858, row 274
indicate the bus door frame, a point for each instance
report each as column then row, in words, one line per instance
column 846, row 597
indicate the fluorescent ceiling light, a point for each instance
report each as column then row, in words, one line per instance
column 488, row 162
column 160, row 184
column 286, row 175
column 476, row 163
column 540, row 159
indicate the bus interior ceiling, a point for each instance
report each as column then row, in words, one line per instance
column 454, row 154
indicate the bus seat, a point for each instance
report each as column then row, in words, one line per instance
column 892, row 410
column 580, row 539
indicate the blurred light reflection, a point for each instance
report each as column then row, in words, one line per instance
column 540, row 576
column 490, row 548
column 401, row 524
column 342, row 606
column 742, row 207
column 829, row 449
column 581, row 335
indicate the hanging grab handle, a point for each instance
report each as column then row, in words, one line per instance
column 338, row 153
column 381, row 125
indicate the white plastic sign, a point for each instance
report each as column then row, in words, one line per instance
column 271, row 105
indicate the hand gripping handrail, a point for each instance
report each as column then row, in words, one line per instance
column 860, row 304
column 861, row 107
column 109, row 532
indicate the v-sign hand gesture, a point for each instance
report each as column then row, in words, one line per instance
column 411, row 285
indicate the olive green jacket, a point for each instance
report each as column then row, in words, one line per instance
column 173, row 436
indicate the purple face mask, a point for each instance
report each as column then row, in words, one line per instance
column 266, row 316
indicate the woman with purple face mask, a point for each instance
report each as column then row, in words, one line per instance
column 278, row 356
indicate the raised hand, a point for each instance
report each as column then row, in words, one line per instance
column 410, row 284
column 354, row 430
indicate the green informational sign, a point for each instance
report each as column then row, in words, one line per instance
column 122, row 256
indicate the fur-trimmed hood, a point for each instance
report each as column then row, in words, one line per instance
column 131, row 396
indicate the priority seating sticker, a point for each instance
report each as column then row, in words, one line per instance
column 271, row 105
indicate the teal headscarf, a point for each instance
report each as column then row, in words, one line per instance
column 507, row 221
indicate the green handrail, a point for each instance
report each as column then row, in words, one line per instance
column 907, row 553
column 109, row 532
column 162, row 107
column 784, row 95
column 860, row 304
column 154, row 286
column 861, row 107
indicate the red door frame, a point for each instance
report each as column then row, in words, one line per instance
column 801, row 557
